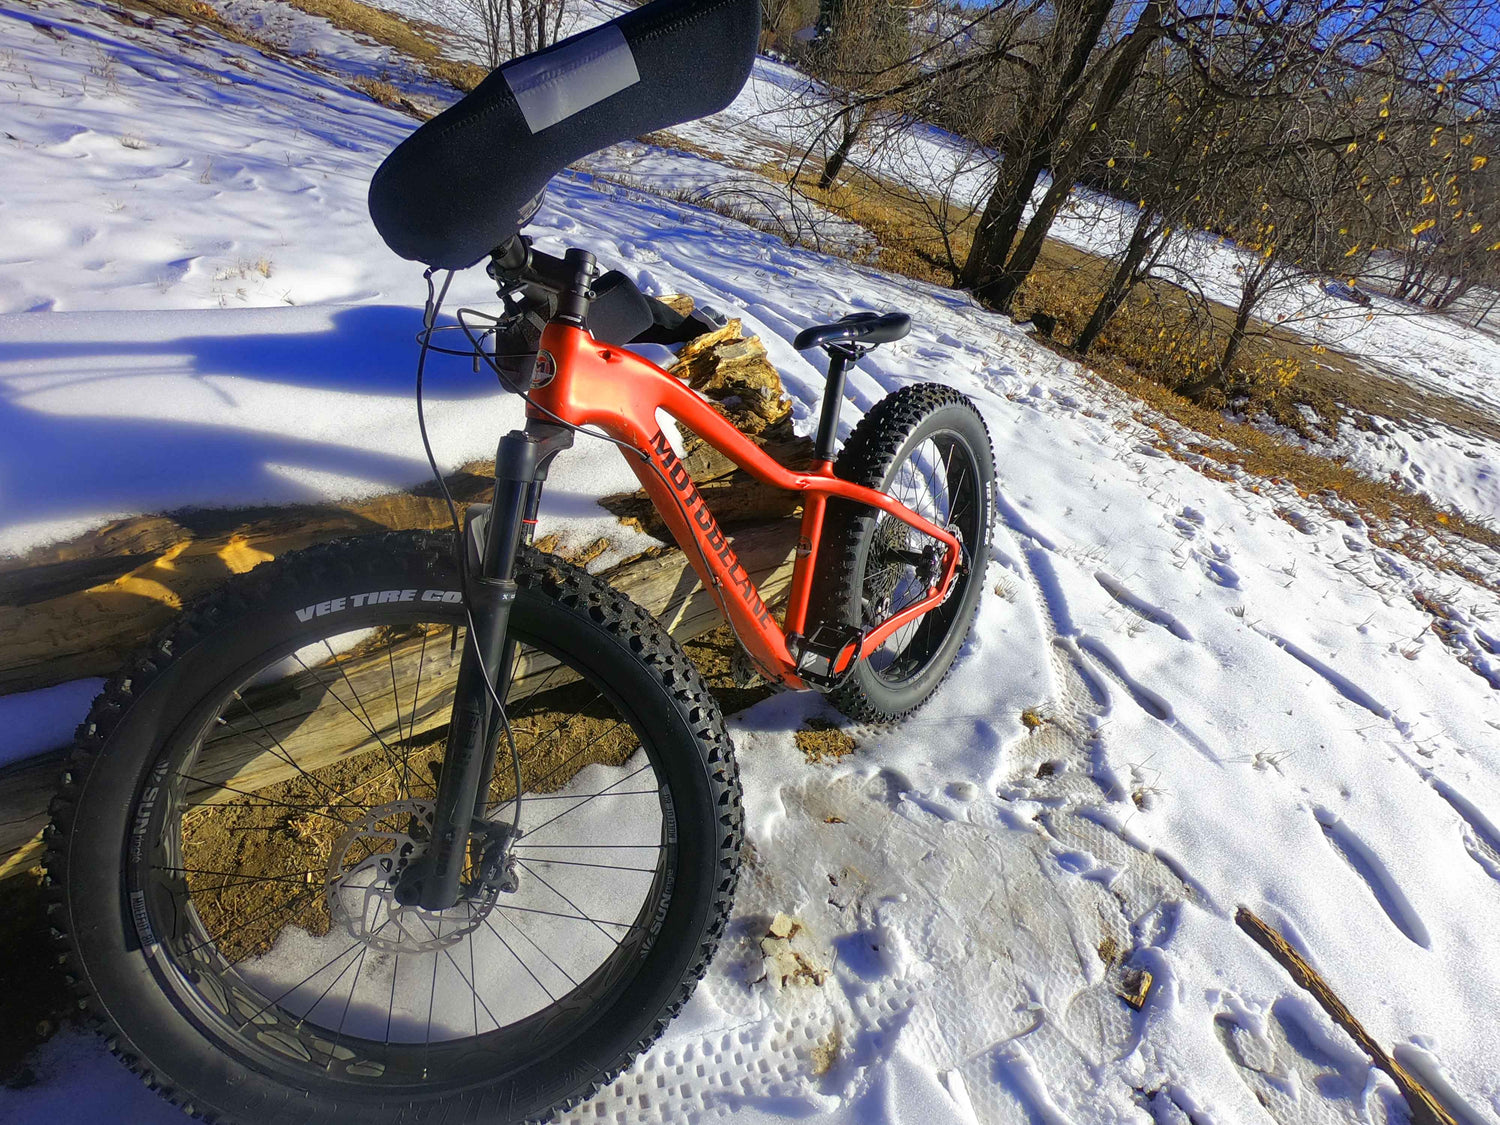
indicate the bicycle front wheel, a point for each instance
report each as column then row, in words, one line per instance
column 230, row 837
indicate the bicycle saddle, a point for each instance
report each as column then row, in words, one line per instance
column 458, row 187
column 861, row 329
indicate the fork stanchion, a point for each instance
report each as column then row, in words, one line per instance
column 491, row 593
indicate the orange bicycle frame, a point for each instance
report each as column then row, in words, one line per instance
column 619, row 392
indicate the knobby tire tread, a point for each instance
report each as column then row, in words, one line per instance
column 349, row 560
column 866, row 458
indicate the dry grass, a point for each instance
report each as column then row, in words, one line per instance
column 822, row 741
column 1400, row 520
column 422, row 41
column 376, row 90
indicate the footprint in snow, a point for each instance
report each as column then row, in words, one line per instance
column 1302, row 1070
column 1481, row 837
column 1152, row 613
column 1365, row 863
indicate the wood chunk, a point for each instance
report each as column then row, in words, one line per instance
column 735, row 375
column 1135, row 986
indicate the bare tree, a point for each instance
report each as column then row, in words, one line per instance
column 500, row 30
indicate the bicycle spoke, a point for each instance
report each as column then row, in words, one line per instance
column 545, row 990
column 284, row 756
column 578, row 863
column 532, row 942
column 596, row 922
column 328, row 688
column 586, row 800
column 541, row 879
column 338, row 1035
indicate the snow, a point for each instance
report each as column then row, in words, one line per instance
column 37, row 721
column 1243, row 699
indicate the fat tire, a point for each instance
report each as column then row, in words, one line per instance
column 876, row 449
column 86, row 890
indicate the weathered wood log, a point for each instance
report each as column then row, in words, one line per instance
column 81, row 607
column 660, row 580
column 1425, row 1108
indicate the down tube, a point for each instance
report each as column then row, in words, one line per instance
column 622, row 393
column 694, row 528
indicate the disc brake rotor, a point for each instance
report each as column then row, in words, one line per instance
column 364, row 868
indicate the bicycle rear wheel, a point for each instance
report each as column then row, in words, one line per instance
column 926, row 446
column 232, row 829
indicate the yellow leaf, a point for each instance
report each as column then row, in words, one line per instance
column 1352, row 146
column 1385, row 113
column 1478, row 162
column 1476, row 228
column 1466, row 139
column 1110, row 162
column 1425, row 224
column 1353, row 250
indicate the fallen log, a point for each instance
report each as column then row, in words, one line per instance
column 80, row 608
column 660, row 580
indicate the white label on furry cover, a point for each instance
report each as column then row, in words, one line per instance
column 554, row 85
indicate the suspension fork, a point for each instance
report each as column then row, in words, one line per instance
column 521, row 464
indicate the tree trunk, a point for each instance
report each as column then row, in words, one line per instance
column 1006, row 205
column 853, row 127
column 996, row 276
column 1120, row 285
column 998, row 226
column 1065, row 173
column 1254, row 289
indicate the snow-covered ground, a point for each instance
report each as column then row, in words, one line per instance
column 1242, row 701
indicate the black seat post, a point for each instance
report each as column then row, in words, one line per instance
column 833, row 401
